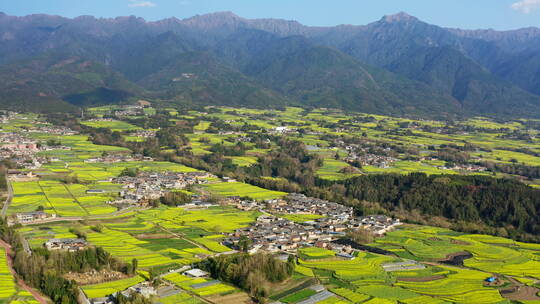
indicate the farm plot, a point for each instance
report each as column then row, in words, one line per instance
column 461, row 286
column 332, row 170
column 216, row 219
column 406, row 167
column 201, row 287
column 7, row 283
column 61, row 200
column 93, row 204
column 315, row 253
column 212, row 244
column 126, row 247
column 180, row 298
column 114, row 125
column 108, row 288
column 38, row 235
column 350, row 295
column 490, row 254
column 244, row 161
column 27, row 197
column 298, row 296
column 243, row 190
column 365, row 266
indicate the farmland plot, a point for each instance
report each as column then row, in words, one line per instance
column 7, row 283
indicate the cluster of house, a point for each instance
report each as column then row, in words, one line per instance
column 144, row 133
column 54, row 130
column 277, row 234
column 21, row 151
column 296, row 203
column 118, row 158
column 381, row 161
column 129, row 110
column 6, row 116
column 70, row 245
column 17, row 142
column 29, row 217
column 466, row 167
column 358, row 154
column 184, row 76
column 282, row 130
column 153, row 185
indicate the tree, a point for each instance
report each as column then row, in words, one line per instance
column 361, row 236
column 135, row 265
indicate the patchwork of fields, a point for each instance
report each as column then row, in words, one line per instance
column 166, row 238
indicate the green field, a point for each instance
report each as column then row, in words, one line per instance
column 108, row 288
column 186, row 283
column 180, row 298
column 298, row 296
column 331, row 170
column 114, row 125
column 243, row 190
column 7, row 283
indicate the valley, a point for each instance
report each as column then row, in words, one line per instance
column 165, row 190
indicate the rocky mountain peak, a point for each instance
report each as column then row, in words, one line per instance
column 399, row 17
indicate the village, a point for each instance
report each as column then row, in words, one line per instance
column 272, row 232
column 145, row 186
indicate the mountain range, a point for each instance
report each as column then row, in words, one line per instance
column 396, row 65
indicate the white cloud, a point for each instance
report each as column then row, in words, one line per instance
column 136, row 3
column 526, row 6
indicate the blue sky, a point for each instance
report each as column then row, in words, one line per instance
column 470, row 14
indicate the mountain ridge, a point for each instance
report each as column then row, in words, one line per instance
column 397, row 49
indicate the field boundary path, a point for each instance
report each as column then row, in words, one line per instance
column 8, row 199
column 41, row 299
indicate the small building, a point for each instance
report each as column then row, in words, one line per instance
column 95, row 191
column 29, row 217
column 66, row 244
column 196, row 273
column 345, row 256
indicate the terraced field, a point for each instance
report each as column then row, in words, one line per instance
column 114, row 125
column 190, row 284
column 7, row 283
column 462, row 286
column 216, row 219
column 28, row 196
column 331, row 170
column 124, row 246
column 243, row 190
column 108, row 288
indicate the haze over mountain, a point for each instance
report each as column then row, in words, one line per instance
column 397, row 65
